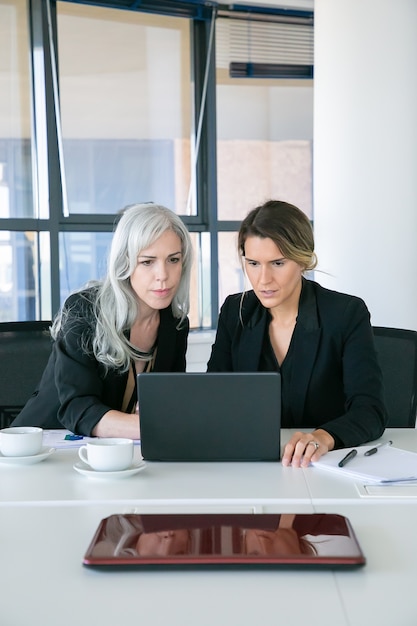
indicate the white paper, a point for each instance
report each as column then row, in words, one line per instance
column 388, row 464
column 56, row 439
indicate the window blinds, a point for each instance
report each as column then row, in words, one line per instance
column 254, row 47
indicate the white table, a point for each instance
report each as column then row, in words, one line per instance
column 160, row 484
column 48, row 514
column 384, row 592
column 253, row 485
column 43, row 582
column 43, row 547
column 54, row 481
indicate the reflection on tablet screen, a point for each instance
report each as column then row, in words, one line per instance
column 225, row 539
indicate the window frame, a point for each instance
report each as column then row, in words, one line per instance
column 42, row 16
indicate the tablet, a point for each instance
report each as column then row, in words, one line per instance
column 224, row 540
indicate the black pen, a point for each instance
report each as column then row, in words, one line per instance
column 350, row 455
column 376, row 448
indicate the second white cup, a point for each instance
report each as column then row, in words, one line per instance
column 107, row 454
column 21, row 440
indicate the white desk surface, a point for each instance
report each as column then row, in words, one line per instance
column 54, row 480
column 383, row 593
column 44, row 582
column 166, row 484
column 48, row 514
column 244, row 485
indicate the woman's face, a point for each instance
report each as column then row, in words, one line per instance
column 283, row 541
column 275, row 280
column 157, row 275
column 164, row 543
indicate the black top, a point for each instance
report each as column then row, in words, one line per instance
column 268, row 363
column 332, row 379
column 75, row 390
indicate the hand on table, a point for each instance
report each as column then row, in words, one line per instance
column 303, row 448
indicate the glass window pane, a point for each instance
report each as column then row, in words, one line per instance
column 264, row 145
column 231, row 278
column 125, row 90
column 82, row 257
column 200, row 295
column 196, row 279
column 264, row 125
column 15, row 117
column 24, row 294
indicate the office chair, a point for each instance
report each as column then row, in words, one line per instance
column 24, row 351
column 397, row 352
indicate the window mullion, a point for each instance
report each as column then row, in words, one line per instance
column 206, row 165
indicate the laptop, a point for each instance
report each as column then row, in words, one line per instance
column 224, row 539
column 226, row 416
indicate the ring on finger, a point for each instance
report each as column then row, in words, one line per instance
column 315, row 444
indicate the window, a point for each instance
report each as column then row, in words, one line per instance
column 264, row 127
column 111, row 103
column 24, row 266
column 21, row 264
column 126, row 108
column 15, row 113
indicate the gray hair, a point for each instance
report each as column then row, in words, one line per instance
column 115, row 307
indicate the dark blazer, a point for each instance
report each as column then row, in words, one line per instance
column 76, row 391
column 336, row 382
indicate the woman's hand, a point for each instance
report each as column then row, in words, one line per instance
column 117, row 424
column 303, row 448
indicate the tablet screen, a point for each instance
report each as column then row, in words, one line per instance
column 316, row 539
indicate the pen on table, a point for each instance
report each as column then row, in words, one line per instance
column 350, row 455
column 377, row 447
column 406, row 479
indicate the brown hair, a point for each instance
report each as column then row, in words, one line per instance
column 287, row 226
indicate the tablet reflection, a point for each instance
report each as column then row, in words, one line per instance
column 228, row 535
column 164, row 543
column 280, row 542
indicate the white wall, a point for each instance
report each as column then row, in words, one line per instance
column 365, row 153
column 199, row 350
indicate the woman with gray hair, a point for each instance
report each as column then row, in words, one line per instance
column 135, row 320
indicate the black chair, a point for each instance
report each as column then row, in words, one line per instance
column 24, row 351
column 397, row 352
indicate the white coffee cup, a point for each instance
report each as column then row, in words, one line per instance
column 107, row 454
column 21, row 440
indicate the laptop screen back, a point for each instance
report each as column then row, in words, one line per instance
column 228, row 416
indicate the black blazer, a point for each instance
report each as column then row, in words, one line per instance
column 76, row 391
column 336, row 382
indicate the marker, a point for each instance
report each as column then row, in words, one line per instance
column 350, row 455
column 376, row 448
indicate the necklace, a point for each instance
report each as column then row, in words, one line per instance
column 139, row 354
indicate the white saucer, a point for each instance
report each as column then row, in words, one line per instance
column 86, row 470
column 26, row 460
